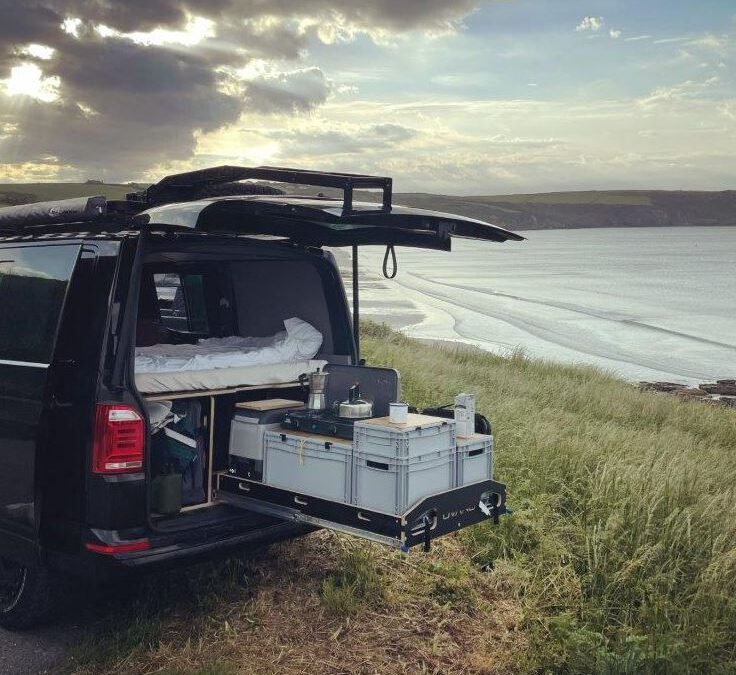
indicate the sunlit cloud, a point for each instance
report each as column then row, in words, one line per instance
column 196, row 30
column 28, row 79
column 72, row 26
column 38, row 51
column 590, row 23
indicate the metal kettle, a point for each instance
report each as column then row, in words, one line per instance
column 355, row 407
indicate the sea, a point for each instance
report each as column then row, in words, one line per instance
column 653, row 303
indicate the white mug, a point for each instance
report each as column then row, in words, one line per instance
column 398, row 412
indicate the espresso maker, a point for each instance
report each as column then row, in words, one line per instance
column 316, row 382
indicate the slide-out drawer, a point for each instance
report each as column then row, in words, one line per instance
column 433, row 516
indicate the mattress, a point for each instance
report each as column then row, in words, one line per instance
column 224, row 378
column 299, row 341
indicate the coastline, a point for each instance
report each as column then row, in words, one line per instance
column 550, row 298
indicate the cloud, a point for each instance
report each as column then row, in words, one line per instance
column 115, row 87
column 717, row 43
column 684, row 90
column 282, row 92
column 28, row 80
column 590, row 23
column 344, row 140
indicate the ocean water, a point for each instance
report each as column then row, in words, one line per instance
column 648, row 303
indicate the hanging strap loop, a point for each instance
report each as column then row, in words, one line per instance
column 394, row 265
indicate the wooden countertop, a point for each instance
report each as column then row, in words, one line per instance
column 413, row 421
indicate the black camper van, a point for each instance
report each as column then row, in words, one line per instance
column 103, row 307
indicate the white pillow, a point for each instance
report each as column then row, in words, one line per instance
column 304, row 337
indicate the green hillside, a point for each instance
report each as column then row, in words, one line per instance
column 23, row 193
column 553, row 210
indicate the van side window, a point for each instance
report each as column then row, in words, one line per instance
column 181, row 301
column 33, row 284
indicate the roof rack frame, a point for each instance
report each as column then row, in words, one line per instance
column 185, row 186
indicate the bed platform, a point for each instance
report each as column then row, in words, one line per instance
column 224, row 379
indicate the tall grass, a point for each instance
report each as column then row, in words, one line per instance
column 622, row 548
column 620, row 556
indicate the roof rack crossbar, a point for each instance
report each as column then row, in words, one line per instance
column 184, row 186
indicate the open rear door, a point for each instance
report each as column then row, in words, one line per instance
column 323, row 222
column 312, row 221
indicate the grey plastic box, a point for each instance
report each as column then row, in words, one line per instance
column 247, row 430
column 474, row 459
column 391, row 485
column 309, row 466
column 419, row 436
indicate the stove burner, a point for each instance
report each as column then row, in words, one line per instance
column 318, row 422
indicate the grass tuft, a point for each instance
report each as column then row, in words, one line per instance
column 355, row 583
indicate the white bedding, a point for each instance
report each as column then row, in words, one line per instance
column 299, row 342
column 220, row 363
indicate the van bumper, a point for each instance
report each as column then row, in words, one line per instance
column 170, row 547
column 162, row 552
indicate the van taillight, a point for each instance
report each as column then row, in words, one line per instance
column 118, row 440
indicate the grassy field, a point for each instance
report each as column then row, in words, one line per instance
column 620, row 556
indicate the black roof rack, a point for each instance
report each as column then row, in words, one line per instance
column 187, row 186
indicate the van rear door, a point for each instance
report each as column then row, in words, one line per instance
column 324, row 222
column 34, row 279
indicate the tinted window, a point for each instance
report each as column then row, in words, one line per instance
column 181, row 301
column 33, row 282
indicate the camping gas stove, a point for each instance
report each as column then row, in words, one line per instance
column 318, row 422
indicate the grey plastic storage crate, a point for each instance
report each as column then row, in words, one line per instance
column 247, row 430
column 391, row 485
column 318, row 468
column 419, row 436
column 474, row 459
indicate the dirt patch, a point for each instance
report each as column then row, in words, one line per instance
column 430, row 613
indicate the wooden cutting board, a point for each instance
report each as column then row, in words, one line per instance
column 269, row 404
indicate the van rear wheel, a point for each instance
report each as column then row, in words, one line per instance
column 28, row 595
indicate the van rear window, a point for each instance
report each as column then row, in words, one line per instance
column 33, row 283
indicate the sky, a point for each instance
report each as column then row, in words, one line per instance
column 450, row 96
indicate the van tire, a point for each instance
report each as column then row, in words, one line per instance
column 30, row 595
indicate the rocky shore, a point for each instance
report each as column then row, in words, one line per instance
column 720, row 392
